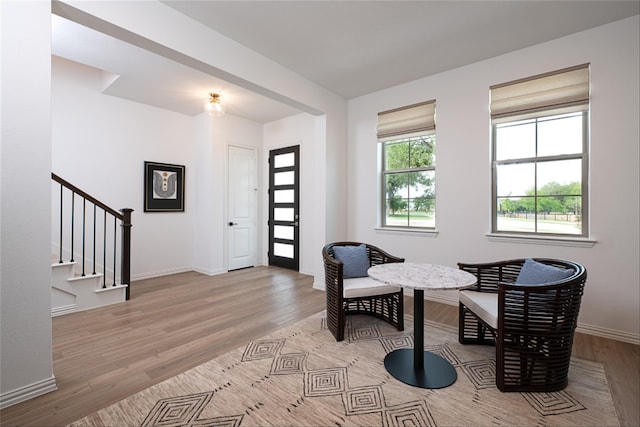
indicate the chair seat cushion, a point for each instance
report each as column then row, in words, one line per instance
column 483, row 304
column 365, row 286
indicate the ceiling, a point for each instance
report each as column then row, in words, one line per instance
column 348, row 47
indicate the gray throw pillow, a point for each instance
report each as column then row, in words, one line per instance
column 537, row 273
column 354, row 258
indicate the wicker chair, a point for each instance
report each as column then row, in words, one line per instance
column 532, row 326
column 361, row 295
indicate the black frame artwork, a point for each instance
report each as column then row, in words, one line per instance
column 163, row 187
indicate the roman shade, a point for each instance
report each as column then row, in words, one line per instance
column 412, row 120
column 557, row 92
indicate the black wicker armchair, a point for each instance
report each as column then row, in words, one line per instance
column 359, row 295
column 532, row 326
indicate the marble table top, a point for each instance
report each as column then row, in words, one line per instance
column 421, row 276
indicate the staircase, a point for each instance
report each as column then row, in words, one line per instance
column 86, row 241
column 71, row 292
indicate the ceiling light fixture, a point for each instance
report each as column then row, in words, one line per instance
column 215, row 107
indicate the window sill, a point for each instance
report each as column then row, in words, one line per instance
column 404, row 231
column 578, row 242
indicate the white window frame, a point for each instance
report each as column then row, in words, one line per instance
column 583, row 156
column 385, row 172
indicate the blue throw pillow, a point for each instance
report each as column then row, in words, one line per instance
column 354, row 258
column 537, row 273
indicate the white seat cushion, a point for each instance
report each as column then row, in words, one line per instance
column 365, row 286
column 483, row 304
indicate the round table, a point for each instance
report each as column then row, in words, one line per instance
column 415, row 366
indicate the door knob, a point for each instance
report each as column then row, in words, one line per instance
column 233, row 223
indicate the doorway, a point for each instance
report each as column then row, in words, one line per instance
column 284, row 204
column 242, row 207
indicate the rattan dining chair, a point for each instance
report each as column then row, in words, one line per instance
column 531, row 325
column 359, row 294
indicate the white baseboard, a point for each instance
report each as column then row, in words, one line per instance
column 608, row 333
column 160, row 273
column 28, row 392
column 207, row 271
column 65, row 309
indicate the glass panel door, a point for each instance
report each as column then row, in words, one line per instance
column 284, row 219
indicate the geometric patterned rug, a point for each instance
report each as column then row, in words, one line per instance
column 300, row 376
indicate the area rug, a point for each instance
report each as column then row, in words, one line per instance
column 300, row 376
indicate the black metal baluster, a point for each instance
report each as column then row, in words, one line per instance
column 84, row 227
column 104, row 252
column 115, row 247
column 61, row 200
column 94, row 239
column 73, row 221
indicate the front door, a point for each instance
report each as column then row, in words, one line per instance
column 284, row 218
column 242, row 207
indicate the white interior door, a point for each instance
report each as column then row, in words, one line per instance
column 243, row 207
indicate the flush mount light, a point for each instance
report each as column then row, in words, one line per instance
column 215, row 107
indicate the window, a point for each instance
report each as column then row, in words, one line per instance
column 539, row 152
column 408, row 141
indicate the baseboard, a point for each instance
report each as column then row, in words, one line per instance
column 207, row 271
column 28, row 392
column 65, row 309
column 319, row 285
column 152, row 274
column 442, row 299
column 611, row 334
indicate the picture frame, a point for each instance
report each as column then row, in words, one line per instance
column 164, row 185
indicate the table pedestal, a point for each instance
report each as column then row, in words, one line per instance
column 415, row 366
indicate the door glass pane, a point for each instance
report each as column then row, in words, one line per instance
column 283, row 232
column 283, row 196
column 283, row 250
column 284, row 178
column 283, row 214
column 284, row 160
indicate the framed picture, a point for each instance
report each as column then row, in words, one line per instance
column 163, row 187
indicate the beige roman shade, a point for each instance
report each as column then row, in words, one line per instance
column 557, row 92
column 412, row 120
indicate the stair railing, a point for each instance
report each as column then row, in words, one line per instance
column 68, row 223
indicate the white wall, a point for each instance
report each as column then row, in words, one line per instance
column 26, row 368
column 100, row 144
column 463, row 184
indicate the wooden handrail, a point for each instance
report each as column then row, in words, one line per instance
column 87, row 196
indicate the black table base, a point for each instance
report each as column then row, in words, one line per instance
column 437, row 371
column 415, row 366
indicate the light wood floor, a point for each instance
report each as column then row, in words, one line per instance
column 176, row 322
